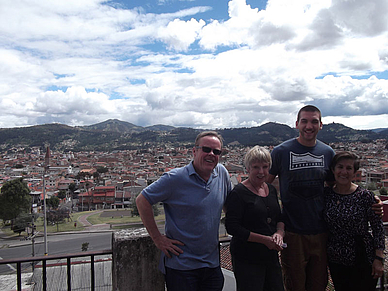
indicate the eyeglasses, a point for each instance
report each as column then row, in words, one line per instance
column 208, row 150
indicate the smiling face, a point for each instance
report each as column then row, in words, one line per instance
column 204, row 163
column 309, row 124
column 258, row 172
column 344, row 172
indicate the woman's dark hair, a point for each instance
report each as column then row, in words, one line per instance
column 346, row 155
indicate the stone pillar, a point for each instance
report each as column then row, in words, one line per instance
column 135, row 262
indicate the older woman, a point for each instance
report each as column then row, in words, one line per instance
column 253, row 218
column 355, row 255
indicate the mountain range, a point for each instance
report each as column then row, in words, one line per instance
column 114, row 134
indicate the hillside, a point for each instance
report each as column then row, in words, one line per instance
column 115, row 125
column 114, row 134
column 335, row 132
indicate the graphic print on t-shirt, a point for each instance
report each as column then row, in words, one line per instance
column 306, row 160
column 306, row 174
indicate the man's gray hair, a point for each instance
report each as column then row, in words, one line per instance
column 208, row 133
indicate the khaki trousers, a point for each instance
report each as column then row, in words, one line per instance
column 304, row 262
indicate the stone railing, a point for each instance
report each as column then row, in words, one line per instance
column 135, row 261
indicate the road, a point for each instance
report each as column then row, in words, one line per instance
column 57, row 244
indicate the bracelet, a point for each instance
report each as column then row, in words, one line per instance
column 381, row 259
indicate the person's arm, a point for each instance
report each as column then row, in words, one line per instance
column 279, row 234
column 378, row 237
column 270, row 178
column 378, row 206
column 268, row 241
column 163, row 243
column 378, row 264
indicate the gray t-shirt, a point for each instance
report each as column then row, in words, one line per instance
column 302, row 172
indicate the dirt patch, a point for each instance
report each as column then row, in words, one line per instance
column 116, row 213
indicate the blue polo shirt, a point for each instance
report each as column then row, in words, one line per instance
column 193, row 210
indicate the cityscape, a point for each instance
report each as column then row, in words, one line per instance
column 96, row 180
column 110, row 180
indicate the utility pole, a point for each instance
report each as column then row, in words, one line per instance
column 32, row 234
column 33, row 239
column 46, row 166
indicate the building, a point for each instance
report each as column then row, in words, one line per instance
column 99, row 197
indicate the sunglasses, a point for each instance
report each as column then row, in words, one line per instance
column 208, row 150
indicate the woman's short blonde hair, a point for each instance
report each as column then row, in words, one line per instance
column 257, row 154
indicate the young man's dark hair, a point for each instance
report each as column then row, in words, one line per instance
column 310, row 108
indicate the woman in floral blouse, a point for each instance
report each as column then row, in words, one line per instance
column 355, row 255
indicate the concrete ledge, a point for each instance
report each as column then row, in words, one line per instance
column 135, row 261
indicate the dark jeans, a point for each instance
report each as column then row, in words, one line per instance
column 352, row 278
column 203, row 279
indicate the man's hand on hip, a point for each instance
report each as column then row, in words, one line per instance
column 168, row 246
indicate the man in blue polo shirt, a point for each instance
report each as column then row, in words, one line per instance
column 193, row 197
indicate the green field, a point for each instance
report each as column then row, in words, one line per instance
column 117, row 218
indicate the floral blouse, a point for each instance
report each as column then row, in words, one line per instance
column 348, row 218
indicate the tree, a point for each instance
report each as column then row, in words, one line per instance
column 102, row 170
column 14, row 199
column 96, row 177
column 57, row 216
column 135, row 210
column 21, row 222
column 61, row 194
column 383, row 191
column 52, row 202
column 72, row 188
column 371, row 186
column 156, row 209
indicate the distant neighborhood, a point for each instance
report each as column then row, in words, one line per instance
column 111, row 180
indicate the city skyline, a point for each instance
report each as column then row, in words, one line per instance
column 193, row 63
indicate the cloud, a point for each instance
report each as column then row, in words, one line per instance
column 360, row 17
column 82, row 62
column 179, row 35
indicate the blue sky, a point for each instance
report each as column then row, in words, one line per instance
column 202, row 64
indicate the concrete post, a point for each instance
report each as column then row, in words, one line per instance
column 135, row 262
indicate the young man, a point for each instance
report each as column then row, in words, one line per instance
column 193, row 199
column 303, row 165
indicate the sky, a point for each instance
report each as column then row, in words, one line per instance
column 203, row 64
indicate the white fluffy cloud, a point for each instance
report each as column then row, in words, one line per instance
column 82, row 62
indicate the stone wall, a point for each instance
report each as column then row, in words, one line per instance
column 135, row 261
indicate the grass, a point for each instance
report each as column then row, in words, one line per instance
column 117, row 222
column 97, row 219
column 62, row 227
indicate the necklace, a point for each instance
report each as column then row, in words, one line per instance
column 264, row 192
